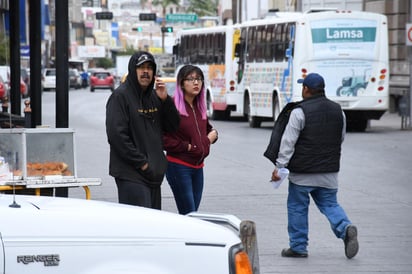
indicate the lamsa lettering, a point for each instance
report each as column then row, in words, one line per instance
column 344, row 34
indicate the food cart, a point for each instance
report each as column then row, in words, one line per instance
column 39, row 158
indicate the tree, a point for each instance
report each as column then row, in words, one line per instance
column 203, row 7
column 4, row 50
column 104, row 63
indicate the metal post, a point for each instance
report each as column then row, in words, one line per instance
column 15, row 58
column 62, row 72
column 35, row 63
column 410, row 71
column 247, row 233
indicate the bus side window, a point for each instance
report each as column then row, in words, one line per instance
column 215, row 45
column 290, row 40
column 186, row 51
column 280, row 43
column 268, row 44
column 260, row 46
column 251, row 44
column 222, row 48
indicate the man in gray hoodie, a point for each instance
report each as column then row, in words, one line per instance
column 137, row 114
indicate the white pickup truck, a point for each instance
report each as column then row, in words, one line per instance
column 62, row 235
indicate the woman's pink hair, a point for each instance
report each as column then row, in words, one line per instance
column 179, row 96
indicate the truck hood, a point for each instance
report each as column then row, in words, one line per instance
column 56, row 218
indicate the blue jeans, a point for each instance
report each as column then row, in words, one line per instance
column 298, row 206
column 187, row 186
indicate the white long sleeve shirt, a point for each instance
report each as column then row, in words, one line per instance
column 287, row 148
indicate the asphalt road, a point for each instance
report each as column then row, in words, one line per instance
column 375, row 188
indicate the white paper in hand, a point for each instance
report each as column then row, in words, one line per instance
column 283, row 173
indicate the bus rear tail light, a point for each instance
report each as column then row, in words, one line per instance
column 382, row 77
column 304, row 72
column 232, row 85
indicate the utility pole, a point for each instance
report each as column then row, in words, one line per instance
column 410, row 70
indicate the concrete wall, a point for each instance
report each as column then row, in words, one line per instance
column 398, row 13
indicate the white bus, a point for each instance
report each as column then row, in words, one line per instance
column 349, row 49
column 213, row 50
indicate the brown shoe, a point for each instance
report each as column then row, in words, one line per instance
column 287, row 252
column 351, row 241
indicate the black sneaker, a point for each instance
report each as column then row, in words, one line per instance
column 287, row 252
column 351, row 241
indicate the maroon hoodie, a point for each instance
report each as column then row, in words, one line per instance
column 192, row 130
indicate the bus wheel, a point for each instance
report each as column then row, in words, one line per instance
column 254, row 121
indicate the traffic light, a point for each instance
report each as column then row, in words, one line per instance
column 167, row 29
column 104, row 15
column 138, row 29
column 147, row 16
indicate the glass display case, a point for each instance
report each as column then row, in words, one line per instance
column 40, row 158
column 39, row 152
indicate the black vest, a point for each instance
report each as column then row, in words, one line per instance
column 318, row 147
column 272, row 149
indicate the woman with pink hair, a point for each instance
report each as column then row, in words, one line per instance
column 187, row 148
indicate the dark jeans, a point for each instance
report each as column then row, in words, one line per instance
column 138, row 194
column 187, row 186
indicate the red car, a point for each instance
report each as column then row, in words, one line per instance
column 3, row 89
column 101, row 80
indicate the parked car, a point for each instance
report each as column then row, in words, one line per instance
column 24, row 91
column 101, row 80
column 4, row 91
column 5, row 73
column 40, row 234
column 25, row 75
column 75, row 79
column 49, row 79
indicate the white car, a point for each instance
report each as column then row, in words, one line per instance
column 48, row 80
column 41, row 234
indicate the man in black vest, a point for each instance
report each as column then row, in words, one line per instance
column 310, row 148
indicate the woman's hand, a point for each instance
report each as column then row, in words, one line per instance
column 213, row 135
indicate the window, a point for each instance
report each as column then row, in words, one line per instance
column 251, row 42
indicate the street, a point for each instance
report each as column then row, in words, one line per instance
column 375, row 188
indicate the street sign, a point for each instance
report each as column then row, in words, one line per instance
column 181, row 17
column 409, row 34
